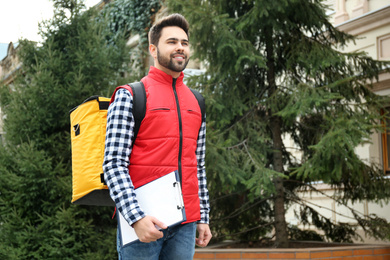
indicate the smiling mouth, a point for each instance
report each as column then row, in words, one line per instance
column 178, row 57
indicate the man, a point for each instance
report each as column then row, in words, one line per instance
column 171, row 137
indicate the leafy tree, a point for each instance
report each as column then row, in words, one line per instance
column 274, row 69
column 75, row 61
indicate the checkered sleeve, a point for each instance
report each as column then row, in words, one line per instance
column 119, row 133
column 202, row 181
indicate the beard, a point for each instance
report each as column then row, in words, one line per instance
column 171, row 64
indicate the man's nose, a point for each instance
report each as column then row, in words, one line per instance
column 179, row 47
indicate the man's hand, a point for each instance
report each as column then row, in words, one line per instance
column 204, row 235
column 146, row 230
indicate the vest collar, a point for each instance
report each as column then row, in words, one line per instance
column 164, row 78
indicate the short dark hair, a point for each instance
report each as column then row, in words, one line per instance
column 170, row 20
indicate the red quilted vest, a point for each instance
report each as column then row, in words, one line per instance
column 167, row 138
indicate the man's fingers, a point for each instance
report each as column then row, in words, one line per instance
column 146, row 229
column 150, row 235
column 199, row 240
column 159, row 223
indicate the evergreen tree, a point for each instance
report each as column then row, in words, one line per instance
column 274, row 70
column 37, row 220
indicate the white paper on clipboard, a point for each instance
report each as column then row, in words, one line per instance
column 161, row 198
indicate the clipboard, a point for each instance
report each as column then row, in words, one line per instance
column 161, row 198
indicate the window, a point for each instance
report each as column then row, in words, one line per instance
column 386, row 145
column 383, row 44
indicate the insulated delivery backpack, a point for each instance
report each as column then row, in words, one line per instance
column 88, row 123
column 88, row 132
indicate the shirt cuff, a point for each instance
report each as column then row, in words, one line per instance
column 204, row 218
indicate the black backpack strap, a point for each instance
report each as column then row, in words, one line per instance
column 139, row 105
column 201, row 101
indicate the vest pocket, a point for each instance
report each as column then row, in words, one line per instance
column 193, row 112
column 160, row 109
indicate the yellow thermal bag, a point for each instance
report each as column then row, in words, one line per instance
column 88, row 131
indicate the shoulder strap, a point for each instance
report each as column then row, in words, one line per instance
column 139, row 105
column 201, row 101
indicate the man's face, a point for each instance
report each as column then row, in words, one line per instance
column 172, row 52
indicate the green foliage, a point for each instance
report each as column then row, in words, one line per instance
column 304, row 235
column 129, row 17
column 274, row 71
column 126, row 18
column 340, row 232
column 74, row 62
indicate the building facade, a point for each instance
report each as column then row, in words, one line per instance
column 9, row 66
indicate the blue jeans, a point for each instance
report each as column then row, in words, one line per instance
column 178, row 243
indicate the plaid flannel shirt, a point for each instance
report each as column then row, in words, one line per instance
column 120, row 130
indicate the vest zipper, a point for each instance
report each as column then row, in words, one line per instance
column 180, row 130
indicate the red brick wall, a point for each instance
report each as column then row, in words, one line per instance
column 361, row 252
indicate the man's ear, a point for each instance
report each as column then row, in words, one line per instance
column 153, row 51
